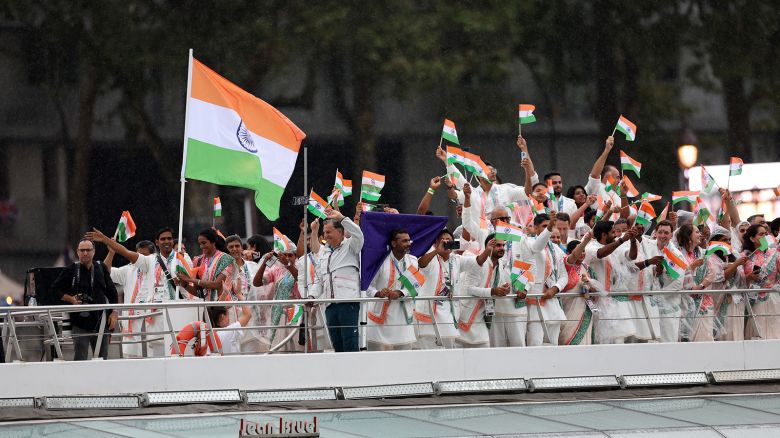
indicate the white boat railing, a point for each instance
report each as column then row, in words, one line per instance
column 50, row 318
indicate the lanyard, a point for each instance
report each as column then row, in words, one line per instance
column 77, row 279
column 553, row 259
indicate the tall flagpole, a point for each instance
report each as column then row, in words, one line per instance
column 305, row 249
column 184, row 154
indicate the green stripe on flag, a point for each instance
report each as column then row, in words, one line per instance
column 206, row 162
column 121, row 235
column 529, row 119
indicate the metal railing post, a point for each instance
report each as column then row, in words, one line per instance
column 439, row 341
column 12, row 327
column 210, row 333
column 752, row 315
column 54, row 337
column 653, row 336
column 99, row 343
column 174, row 342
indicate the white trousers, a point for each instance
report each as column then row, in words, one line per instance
column 429, row 343
column 536, row 333
column 508, row 331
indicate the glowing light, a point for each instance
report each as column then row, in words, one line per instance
column 9, row 300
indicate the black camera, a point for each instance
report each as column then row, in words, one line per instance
column 85, row 299
column 453, row 244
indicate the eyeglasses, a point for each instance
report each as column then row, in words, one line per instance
column 503, row 219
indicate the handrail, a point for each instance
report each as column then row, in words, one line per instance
column 26, row 310
column 48, row 314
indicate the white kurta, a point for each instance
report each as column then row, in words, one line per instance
column 499, row 195
column 472, row 331
column 614, row 323
column 644, row 281
column 390, row 322
column 127, row 278
column 548, row 268
column 596, row 187
column 439, row 274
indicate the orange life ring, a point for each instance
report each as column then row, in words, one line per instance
column 202, row 334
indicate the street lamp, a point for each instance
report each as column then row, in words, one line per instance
column 687, row 155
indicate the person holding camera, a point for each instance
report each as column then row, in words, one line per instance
column 87, row 282
column 441, row 268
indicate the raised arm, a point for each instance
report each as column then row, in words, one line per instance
column 97, row 236
column 425, row 202
column 609, row 248
column 314, row 237
column 598, row 166
column 579, row 250
column 580, row 212
column 730, row 206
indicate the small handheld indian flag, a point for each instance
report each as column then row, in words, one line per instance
column 631, row 191
column 505, row 231
column 551, row 192
column 217, row 207
column 521, row 275
column 294, row 314
column 602, row 211
column 722, row 247
column 649, row 197
column 183, row 266
column 317, row 205
column 612, row 185
column 475, row 165
column 708, row 184
column 526, row 113
column 449, row 133
column 344, row 185
column 455, row 156
column 628, row 163
column 626, row 127
column 282, row 243
column 674, row 264
column 372, row 183
column 702, row 212
column 664, row 213
column 412, row 280
column 645, row 214
column 126, row 227
column 681, row 196
column 735, row 166
column 763, row 244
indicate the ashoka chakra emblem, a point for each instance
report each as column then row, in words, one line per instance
column 245, row 138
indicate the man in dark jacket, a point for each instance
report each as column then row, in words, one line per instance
column 87, row 282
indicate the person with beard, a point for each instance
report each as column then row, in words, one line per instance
column 441, row 268
column 644, row 255
column 490, row 192
column 390, row 322
column 491, row 318
column 546, row 262
column 607, row 277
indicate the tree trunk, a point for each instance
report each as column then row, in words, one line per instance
column 604, row 67
column 78, row 184
column 738, row 116
column 364, row 134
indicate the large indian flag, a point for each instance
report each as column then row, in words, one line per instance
column 235, row 139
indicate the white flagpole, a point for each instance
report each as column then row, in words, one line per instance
column 184, row 154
